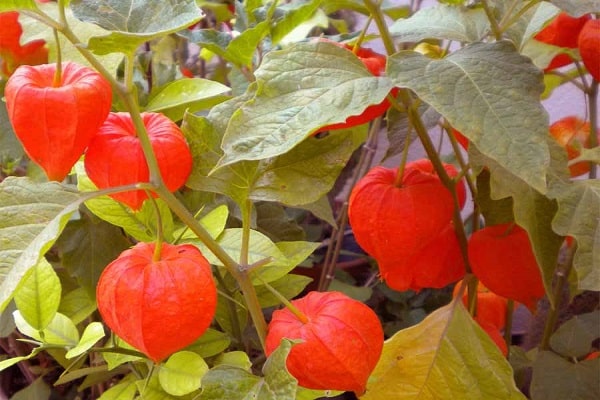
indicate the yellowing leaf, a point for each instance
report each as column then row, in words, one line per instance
column 447, row 356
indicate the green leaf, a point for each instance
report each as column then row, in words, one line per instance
column 16, row 5
column 494, row 211
column 141, row 224
column 87, row 246
column 288, row 286
column 211, row 343
column 214, row 222
column 232, row 383
column 10, row 147
column 91, row 334
column 294, row 15
column 578, row 214
column 237, row 359
column 187, row 94
column 442, row 22
column 182, row 373
column 314, row 163
column 38, row 295
column 9, row 362
column 60, row 332
column 309, row 394
column 421, row 362
column 31, row 218
column 490, row 93
column 113, row 360
column 299, row 90
column 530, row 23
column 574, row 338
column 77, row 305
column 577, row 8
column 39, row 389
column 360, row 293
column 124, row 390
column 555, row 378
column 34, row 29
column 150, row 389
column 132, row 22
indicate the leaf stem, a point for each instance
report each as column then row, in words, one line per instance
column 299, row 314
column 57, row 81
column 375, row 12
column 510, row 308
column 493, row 23
column 593, row 110
column 562, row 275
column 400, row 171
column 159, row 229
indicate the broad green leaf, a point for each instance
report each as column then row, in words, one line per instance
column 490, row 93
column 34, row 29
column 360, row 293
column 60, row 332
column 124, row 390
column 232, row 315
column 187, row 94
column 289, row 286
column 141, row 224
column 577, row 8
column 577, row 216
column 574, row 338
column 210, row 39
column 315, row 163
column 555, row 378
column 590, row 155
column 211, row 343
column 303, row 30
column 38, row 296
column 214, row 222
column 87, row 246
column 447, row 356
column 293, row 254
column 31, row 218
column 133, row 22
column 237, row 359
column 11, row 149
column 274, row 220
column 530, row 23
column 494, row 211
column 232, row 383
column 91, row 334
column 9, row 362
column 39, row 389
column 77, row 305
column 399, row 128
column 114, row 359
column 308, row 394
column 442, row 22
column 294, row 15
column 182, row 373
column 16, row 5
column 299, row 90
column 150, row 389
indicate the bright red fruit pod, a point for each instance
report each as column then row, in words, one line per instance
column 340, row 344
column 589, row 47
column 562, row 32
column 375, row 63
column 502, row 258
column 158, row 307
column 115, row 156
column 55, row 124
column 408, row 228
column 571, row 133
column 12, row 53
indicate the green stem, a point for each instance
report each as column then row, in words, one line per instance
column 378, row 17
column 493, row 23
column 510, row 307
column 57, row 81
column 231, row 306
column 245, row 248
column 299, row 314
column 400, row 172
column 159, row 229
column 593, row 111
column 562, row 276
column 506, row 24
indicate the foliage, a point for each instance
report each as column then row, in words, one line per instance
column 253, row 93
